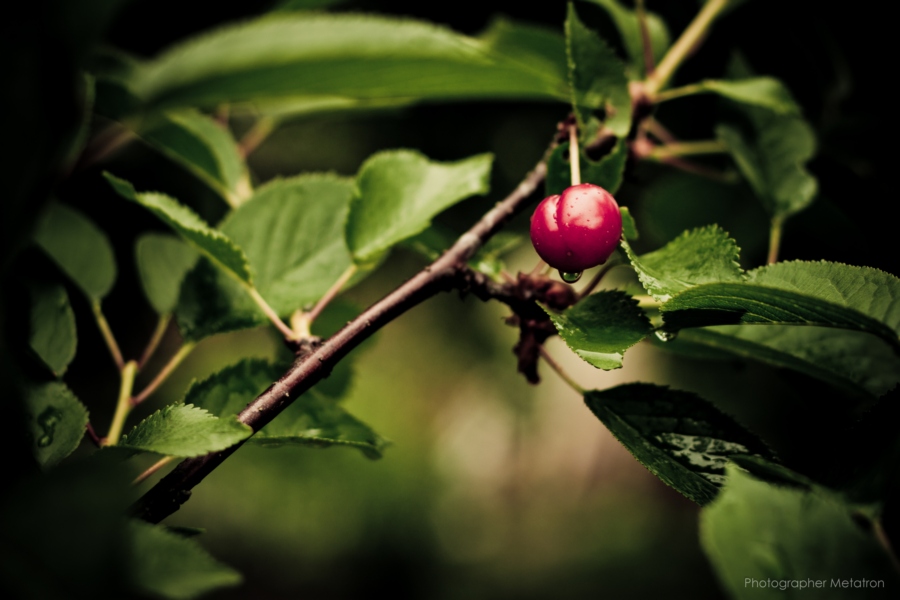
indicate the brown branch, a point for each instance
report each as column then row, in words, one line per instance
column 446, row 273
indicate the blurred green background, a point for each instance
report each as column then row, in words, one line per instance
column 494, row 488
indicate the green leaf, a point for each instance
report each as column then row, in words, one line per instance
column 596, row 77
column 312, row 56
column 203, row 147
column 678, row 436
column 626, row 21
column 629, row 227
column 606, row 172
column 184, row 430
column 702, row 255
column 292, row 232
column 185, row 222
column 855, row 363
column 764, row 92
column 799, row 293
column 78, row 247
column 602, row 326
column 162, row 262
column 167, row 565
column 311, row 420
column 56, row 420
column 762, row 532
column 52, row 335
column 772, row 156
column 399, row 192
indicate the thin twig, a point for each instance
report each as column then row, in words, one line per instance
column 694, row 148
column 256, row 135
column 123, row 406
column 560, row 371
column 614, row 261
column 108, row 336
column 659, row 131
column 161, row 325
column 153, row 469
column 92, row 434
column 286, row 331
column 646, row 45
column 774, row 241
column 445, row 273
column 333, row 291
column 684, row 45
column 164, row 373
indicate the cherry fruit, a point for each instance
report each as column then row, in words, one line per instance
column 577, row 229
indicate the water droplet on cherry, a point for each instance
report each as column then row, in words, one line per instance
column 570, row 277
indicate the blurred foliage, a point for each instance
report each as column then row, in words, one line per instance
column 492, row 488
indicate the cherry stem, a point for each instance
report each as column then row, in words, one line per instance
column 659, row 131
column 574, row 158
column 559, row 371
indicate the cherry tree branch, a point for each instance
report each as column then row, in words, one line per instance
column 446, row 273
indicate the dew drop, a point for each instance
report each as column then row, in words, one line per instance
column 665, row 336
column 570, row 277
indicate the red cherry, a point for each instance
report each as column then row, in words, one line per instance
column 578, row 229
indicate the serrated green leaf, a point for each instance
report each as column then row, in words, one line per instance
column 56, row 421
column 626, row 21
column 702, row 255
column 606, row 172
column 162, row 262
column 772, row 156
column 338, row 56
column 596, row 77
column 52, row 335
column 629, row 227
column 311, row 420
column 399, row 192
column 855, row 363
column 755, row 531
column 799, row 293
column 184, row 430
column 167, row 565
column 765, row 92
column 602, row 327
column 204, row 148
column 185, row 222
column 292, row 232
column 678, row 436
column 78, row 247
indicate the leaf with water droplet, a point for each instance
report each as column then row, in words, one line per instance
column 678, row 436
column 56, row 422
column 602, row 327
